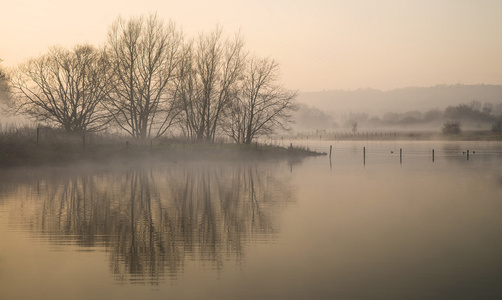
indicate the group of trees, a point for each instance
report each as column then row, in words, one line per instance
column 474, row 112
column 473, row 115
column 149, row 78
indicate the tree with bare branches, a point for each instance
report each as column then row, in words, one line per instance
column 207, row 82
column 64, row 87
column 262, row 106
column 144, row 53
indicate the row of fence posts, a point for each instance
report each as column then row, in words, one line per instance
column 290, row 146
column 400, row 154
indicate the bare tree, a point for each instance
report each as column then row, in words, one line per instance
column 262, row 106
column 207, row 82
column 64, row 87
column 144, row 53
column 187, row 92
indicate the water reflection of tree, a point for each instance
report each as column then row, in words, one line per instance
column 153, row 221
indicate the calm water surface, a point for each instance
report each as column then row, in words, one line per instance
column 353, row 227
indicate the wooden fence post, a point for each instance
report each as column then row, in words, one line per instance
column 364, row 155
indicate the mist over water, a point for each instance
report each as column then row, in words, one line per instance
column 349, row 227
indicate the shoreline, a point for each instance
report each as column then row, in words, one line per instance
column 60, row 154
column 28, row 147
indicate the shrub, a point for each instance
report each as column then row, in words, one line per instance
column 452, row 127
column 497, row 126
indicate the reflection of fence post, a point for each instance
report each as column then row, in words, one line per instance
column 432, row 155
column 364, row 155
column 330, row 148
column 38, row 134
column 400, row 155
column 467, row 154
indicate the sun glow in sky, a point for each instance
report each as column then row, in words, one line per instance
column 320, row 44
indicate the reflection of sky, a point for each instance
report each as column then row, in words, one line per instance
column 412, row 231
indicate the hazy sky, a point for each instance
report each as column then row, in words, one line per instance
column 320, row 45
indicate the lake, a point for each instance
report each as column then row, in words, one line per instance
column 366, row 223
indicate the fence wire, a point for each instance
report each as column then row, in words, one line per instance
column 383, row 150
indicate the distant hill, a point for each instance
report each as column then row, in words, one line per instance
column 376, row 102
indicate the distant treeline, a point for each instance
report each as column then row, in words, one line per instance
column 149, row 80
column 475, row 115
column 376, row 102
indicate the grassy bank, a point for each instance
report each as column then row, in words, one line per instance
column 27, row 146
